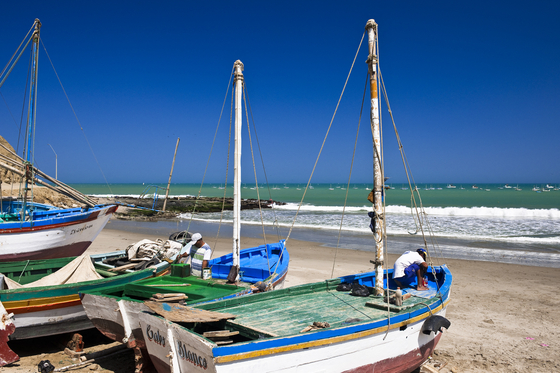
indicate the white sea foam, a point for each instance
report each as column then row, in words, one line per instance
column 491, row 212
column 530, row 228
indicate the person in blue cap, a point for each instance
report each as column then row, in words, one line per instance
column 411, row 265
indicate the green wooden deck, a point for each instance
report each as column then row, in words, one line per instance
column 180, row 282
column 287, row 316
column 288, row 311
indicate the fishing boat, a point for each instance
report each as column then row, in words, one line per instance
column 319, row 327
column 48, row 232
column 42, row 296
column 232, row 275
column 128, row 299
column 30, row 230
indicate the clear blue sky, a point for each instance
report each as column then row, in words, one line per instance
column 474, row 87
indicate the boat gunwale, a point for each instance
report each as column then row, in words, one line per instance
column 53, row 222
column 330, row 336
column 253, row 348
column 8, row 295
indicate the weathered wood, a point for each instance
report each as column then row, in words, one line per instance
column 170, row 299
column 220, row 334
column 179, row 313
column 250, row 331
column 221, row 343
column 167, row 295
column 123, row 268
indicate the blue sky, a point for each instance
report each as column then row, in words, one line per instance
column 473, row 87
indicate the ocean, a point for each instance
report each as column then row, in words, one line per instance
column 493, row 222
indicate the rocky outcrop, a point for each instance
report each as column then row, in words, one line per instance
column 6, row 176
column 178, row 205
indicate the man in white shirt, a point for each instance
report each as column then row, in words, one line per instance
column 200, row 254
column 411, row 265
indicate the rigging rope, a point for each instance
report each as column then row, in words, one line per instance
column 227, row 160
column 210, row 155
column 255, row 173
column 275, row 223
column 420, row 214
column 349, row 176
column 76, row 116
column 324, row 140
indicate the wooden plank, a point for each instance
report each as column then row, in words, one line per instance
column 220, row 334
column 167, row 295
column 163, row 285
column 180, row 313
column 249, row 330
column 221, row 343
column 123, row 268
column 170, row 299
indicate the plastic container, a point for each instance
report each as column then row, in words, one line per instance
column 206, row 273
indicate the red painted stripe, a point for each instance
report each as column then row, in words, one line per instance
column 75, row 249
column 401, row 364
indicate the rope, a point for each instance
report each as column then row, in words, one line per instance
column 208, row 162
column 349, row 177
column 77, row 119
column 418, row 213
column 19, row 56
column 256, row 182
column 324, row 140
column 275, row 223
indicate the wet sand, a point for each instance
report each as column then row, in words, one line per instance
column 504, row 317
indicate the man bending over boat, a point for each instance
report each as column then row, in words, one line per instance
column 409, row 265
column 200, row 254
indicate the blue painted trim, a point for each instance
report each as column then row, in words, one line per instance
column 291, row 340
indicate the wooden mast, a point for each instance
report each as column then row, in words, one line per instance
column 371, row 28
column 31, row 114
column 170, row 174
column 238, row 82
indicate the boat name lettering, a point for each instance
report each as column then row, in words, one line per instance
column 156, row 337
column 81, row 229
column 191, row 356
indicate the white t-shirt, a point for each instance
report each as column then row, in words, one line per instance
column 404, row 261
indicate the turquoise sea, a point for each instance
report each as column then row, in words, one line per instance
column 497, row 222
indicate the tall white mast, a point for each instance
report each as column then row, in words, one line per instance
column 371, row 28
column 238, row 82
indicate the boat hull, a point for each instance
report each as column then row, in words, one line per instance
column 124, row 326
column 69, row 318
column 396, row 351
column 273, row 341
column 54, row 237
column 57, row 309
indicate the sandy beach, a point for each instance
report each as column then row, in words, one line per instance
column 504, row 317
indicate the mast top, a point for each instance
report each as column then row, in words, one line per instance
column 238, row 66
column 371, row 24
column 37, row 25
